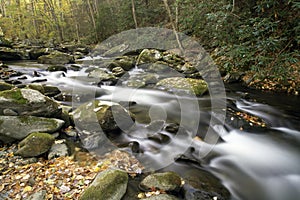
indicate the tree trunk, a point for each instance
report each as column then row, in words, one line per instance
column 93, row 18
column 133, row 14
column 173, row 26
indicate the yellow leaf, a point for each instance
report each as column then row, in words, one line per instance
column 27, row 189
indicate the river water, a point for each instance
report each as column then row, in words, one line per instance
column 250, row 161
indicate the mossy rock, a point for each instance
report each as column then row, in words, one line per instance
column 167, row 181
column 5, row 86
column 109, row 184
column 183, row 85
column 35, row 144
column 18, row 127
column 149, row 56
column 28, row 102
column 56, row 58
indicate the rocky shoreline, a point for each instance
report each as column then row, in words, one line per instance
column 41, row 155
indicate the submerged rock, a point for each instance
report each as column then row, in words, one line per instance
column 183, row 85
column 109, row 184
column 28, row 102
column 18, row 127
column 57, row 58
column 167, row 181
column 35, row 144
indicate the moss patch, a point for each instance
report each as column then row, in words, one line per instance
column 14, row 95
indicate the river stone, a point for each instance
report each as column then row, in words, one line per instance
column 149, row 56
column 58, row 150
column 40, row 195
column 56, row 58
column 18, row 127
column 109, row 184
column 102, row 75
column 167, row 181
column 183, row 85
column 28, row 102
column 125, row 62
column 5, row 86
column 162, row 197
column 109, row 115
column 35, row 144
column 56, row 68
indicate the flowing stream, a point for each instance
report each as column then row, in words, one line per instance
column 252, row 162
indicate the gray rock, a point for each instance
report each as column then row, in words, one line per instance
column 92, row 118
column 167, row 181
column 56, row 58
column 109, row 184
column 35, row 144
column 40, row 195
column 102, row 75
column 5, row 86
column 162, row 197
column 28, row 102
column 187, row 86
column 18, row 127
column 58, row 150
column 118, row 71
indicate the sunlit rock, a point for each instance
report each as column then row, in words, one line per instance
column 182, row 85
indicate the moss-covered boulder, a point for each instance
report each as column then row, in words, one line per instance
column 109, row 184
column 18, row 127
column 28, row 102
column 56, row 58
column 35, row 144
column 125, row 62
column 183, row 85
column 167, row 181
column 149, row 56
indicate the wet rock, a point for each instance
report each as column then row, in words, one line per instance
column 35, row 144
column 58, row 150
column 35, row 53
column 18, row 127
column 149, row 56
column 102, row 75
column 109, row 184
column 51, row 91
column 56, row 58
column 56, row 68
column 92, row 117
column 7, row 54
column 162, row 197
column 40, row 195
column 5, row 86
column 200, row 184
column 28, row 102
column 183, row 85
column 167, row 181
column 118, row 71
column 134, row 83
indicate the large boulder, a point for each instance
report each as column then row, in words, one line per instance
column 167, row 181
column 183, row 85
column 109, row 184
column 18, row 127
column 35, row 53
column 93, row 116
column 28, row 102
column 35, row 144
column 56, row 58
